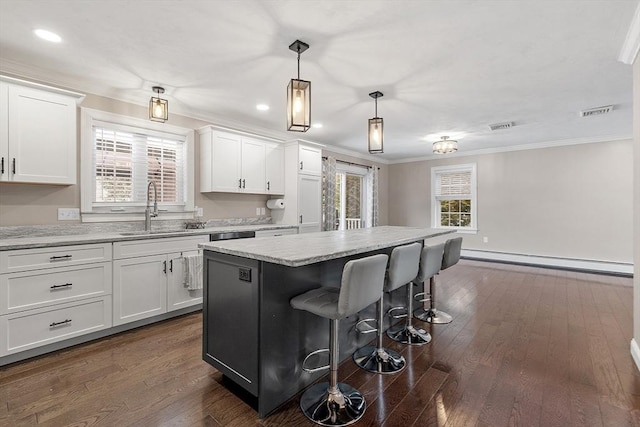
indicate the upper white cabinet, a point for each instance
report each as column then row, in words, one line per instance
column 303, row 187
column 234, row 163
column 38, row 133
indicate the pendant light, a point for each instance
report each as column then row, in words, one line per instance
column 376, row 128
column 158, row 107
column 445, row 146
column 298, row 96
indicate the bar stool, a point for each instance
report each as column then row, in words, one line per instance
column 333, row 403
column 403, row 269
column 403, row 266
column 449, row 256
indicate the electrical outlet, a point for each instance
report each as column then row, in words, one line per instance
column 485, row 239
column 199, row 212
column 263, row 211
column 257, row 211
column 68, row 214
column 244, row 274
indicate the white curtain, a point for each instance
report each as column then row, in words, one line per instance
column 372, row 200
column 329, row 193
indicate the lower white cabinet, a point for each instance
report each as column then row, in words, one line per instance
column 34, row 328
column 276, row 232
column 151, row 282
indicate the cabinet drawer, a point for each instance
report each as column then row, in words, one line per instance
column 136, row 248
column 28, row 290
column 34, row 328
column 31, row 259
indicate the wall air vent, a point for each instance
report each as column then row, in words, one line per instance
column 500, row 126
column 596, row 111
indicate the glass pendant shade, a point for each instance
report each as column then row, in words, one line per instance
column 376, row 135
column 158, row 107
column 445, row 146
column 299, row 105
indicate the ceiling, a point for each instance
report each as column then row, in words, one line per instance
column 445, row 67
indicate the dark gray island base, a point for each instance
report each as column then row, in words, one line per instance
column 250, row 332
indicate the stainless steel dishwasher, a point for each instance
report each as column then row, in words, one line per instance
column 230, row 235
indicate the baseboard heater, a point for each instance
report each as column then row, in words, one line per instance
column 607, row 267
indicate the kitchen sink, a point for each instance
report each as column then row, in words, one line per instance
column 145, row 232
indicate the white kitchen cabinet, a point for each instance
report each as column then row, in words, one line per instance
column 274, row 154
column 147, row 277
column 303, row 187
column 38, row 133
column 178, row 296
column 52, row 294
column 235, row 163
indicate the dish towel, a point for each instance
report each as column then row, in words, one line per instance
column 192, row 272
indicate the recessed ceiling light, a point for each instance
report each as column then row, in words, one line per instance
column 262, row 107
column 47, row 35
column 317, row 125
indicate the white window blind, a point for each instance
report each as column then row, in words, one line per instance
column 454, row 185
column 126, row 159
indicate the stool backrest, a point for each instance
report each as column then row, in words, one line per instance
column 403, row 266
column 362, row 282
column 430, row 262
column 451, row 255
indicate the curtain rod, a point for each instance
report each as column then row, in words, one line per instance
column 351, row 163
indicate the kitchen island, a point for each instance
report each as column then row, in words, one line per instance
column 250, row 332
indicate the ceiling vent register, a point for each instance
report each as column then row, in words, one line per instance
column 500, row 126
column 596, row 111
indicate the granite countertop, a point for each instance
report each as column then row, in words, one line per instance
column 296, row 250
column 109, row 237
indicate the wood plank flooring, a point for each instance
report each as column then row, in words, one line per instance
column 527, row 347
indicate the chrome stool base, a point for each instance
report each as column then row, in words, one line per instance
column 342, row 407
column 379, row 361
column 432, row 316
column 409, row 335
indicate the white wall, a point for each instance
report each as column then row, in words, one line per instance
column 568, row 202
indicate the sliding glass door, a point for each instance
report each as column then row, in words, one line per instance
column 350, row 199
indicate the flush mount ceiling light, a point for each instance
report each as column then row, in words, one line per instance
column 47, row 35
column 158, row 107
column 445, row 146
column 298, row 96
column 376, row 128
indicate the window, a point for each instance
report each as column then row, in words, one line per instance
column 453, row 197
column 122, row 155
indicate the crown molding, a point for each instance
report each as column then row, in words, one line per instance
column 357, row 155
column 631, row 45
column 523, row 147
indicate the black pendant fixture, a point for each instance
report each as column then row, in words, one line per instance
column 158, row 107
column 376, row 128
column 299, row 96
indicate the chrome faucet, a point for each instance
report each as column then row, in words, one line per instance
column 147, row 212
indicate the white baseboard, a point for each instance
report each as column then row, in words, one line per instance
column 544, row 261
column 635, row 352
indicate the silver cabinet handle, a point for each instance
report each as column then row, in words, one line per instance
column 2, row 171
column 240, row 183
column 64, row 322
column 60, row 258
column 164, row 267
column 171, row 265
column 14, row 166
column 300, row 219
column 301, row 164
column 268, row 185
column 63, row 286
column 243, row 184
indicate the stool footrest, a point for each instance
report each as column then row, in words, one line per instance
column 363, row 326
column 316, row 369
column 392, row 312
column 419, row 297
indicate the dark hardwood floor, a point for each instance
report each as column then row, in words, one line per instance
column 528, row 347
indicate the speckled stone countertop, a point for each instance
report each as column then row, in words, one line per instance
column 42, row 241
column 296, row 250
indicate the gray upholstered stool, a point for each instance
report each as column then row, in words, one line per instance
column 333, row 403
column 450, row 256
column 403, row 269
column 378, row 359
column 430, row 263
